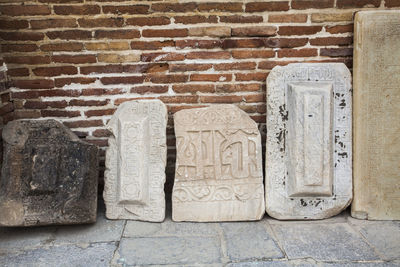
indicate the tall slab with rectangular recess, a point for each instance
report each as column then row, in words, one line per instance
column 377, row 115
column 308, row 151
column 135, row 162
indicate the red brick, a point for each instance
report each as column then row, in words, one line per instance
column 241, row 19
column 254, row 98
column 61, row 1
column 257, row 76
column 243, row 54
column 152, row 45
column 305, row 52
column 180, row 99
column 267, row 6
column 45, row 93
column 122, row 80
column 148, row 21
column 254, row 31
column 60, row 82
column 55, row 71
column 7, row 108
column 70, row 35
column 130, row 9
column 119, row 101
column 101, row 22
column 189, row 67
column 242, row 43
column 269, row 65
column 299, row 30
column 336, row 52
column 34, row 84
column 165, row 33
column 83, row 123
column 357, row 3
column 101, row 69
column 100, row 112
column 306, row 4
column 195, row 19
column 22, row 36
column 77, row 10
column 176, row 78
column 70, row 46
column 59, row 113
column 100, row 143
column 27, row 114
column 174, row 7
column 101, row 91
column 117, row 34
column 45, row 104
column 287, row 18
column 149, row 89
column 259, row 118
column 209, row 55
column 101, row 133
column 13, row 24
column 78, row 59
column 205, row 44
column 236, row 66
column 88, row 103
column 220, row 7
column 211, row 77
column 156, row 57
column 25, row 10
column 18, row 72
column 19, row 47
column 237, row 87
column 324, row 41
column 339, row 28
column 193, row 88
column 31, row 60
column 286, row 42
column 221, row 99
column 392, row 3
column 53, row 23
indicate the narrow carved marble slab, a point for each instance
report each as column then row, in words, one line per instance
column 218, row 174
column 377, row 116
column 308, row 151
column 49, row 176
column 135, row 162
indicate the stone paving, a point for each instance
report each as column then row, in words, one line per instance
column 338, row 241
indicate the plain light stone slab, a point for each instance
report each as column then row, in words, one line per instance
column 249, row 241
column 376, row 115
column 49, row 176
column 168, row 250
column 308, row 150
column 218, row 175
column 99, row 254
column 135, row 162
column 333, row 242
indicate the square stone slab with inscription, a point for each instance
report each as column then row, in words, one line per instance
column 135, row 162
column 49, row 176
column 377, row 115
column 218, row 174
column 308, row 158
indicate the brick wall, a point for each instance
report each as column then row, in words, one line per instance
column 77, row 60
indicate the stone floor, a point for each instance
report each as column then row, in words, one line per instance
column 339, row 241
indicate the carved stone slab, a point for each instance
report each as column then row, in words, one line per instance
column 48, row 176
column 308, row 151
column 135, row 162
column 377, row 116
column 218, row 174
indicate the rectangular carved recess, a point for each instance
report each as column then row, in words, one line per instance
column 310, row 139
column 133, row 145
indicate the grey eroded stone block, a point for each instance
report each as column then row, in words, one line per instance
column 168, row 250
column 309, row 155
column 48, row 176
column 135, row 162
column 249, row 241
column 218, row 174
column 95, row 255
column 333, row 242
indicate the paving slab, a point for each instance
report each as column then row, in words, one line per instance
column 323, row 242
column 279, row 263
column 99, row 254
column 362, row 264
column 249, row 240
column 167, row 250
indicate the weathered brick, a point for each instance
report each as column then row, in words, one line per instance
column 269, row 65
column 180, row 99
column 53, row 23
column 98, row 142
column 299, row 30
column 205, row 44
column 128, row 9
column 174, row 7
column 285, row 42
column 165, row 33
column 243, row 54
column 189, row 67
column 25, row 10
column 117, row 34
column 151, row 45
column 60, row 82
column 122, row 80
column 59, row 113
column 267, row 6
column 70, row 46
column 254, row 31
column 157, row 57
column 254, row 76
column 100, row 22
column 13, row 24
column 34, row 84
column 211, row 77
column 287, row 18
column 55, row 71
column 392, row 3
column 241, row 19
column 107, row 46
column 7, row 108
column 45, row 93
column 209, row 55
column 101, row 133
column 221, row 99
column 148, row 21
column 89, row 103
column 31, row 60
column 336, row 52
column 238, row 87
column 101, row 69
column 83, row 123
column 45, row 104
column 101, row 91
column 195, row 19
column 332, row 17
column 305, row 52
column 167, row 78
column 22, row 36
column 119, row 101
column 156, row 89
column 27, row 114
column 235, row 66
column 243, row 43
column 339, row 28
column 118, row 58
column 306, row 4
column 324, row 41
column 70, row 34
column 99, row 112
column 19, row 47
column 217, row 31
column 220, row 7
column 77, row 10
column 77, row 59
column 193, row 88
column 357, row 3
column 18, row 72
